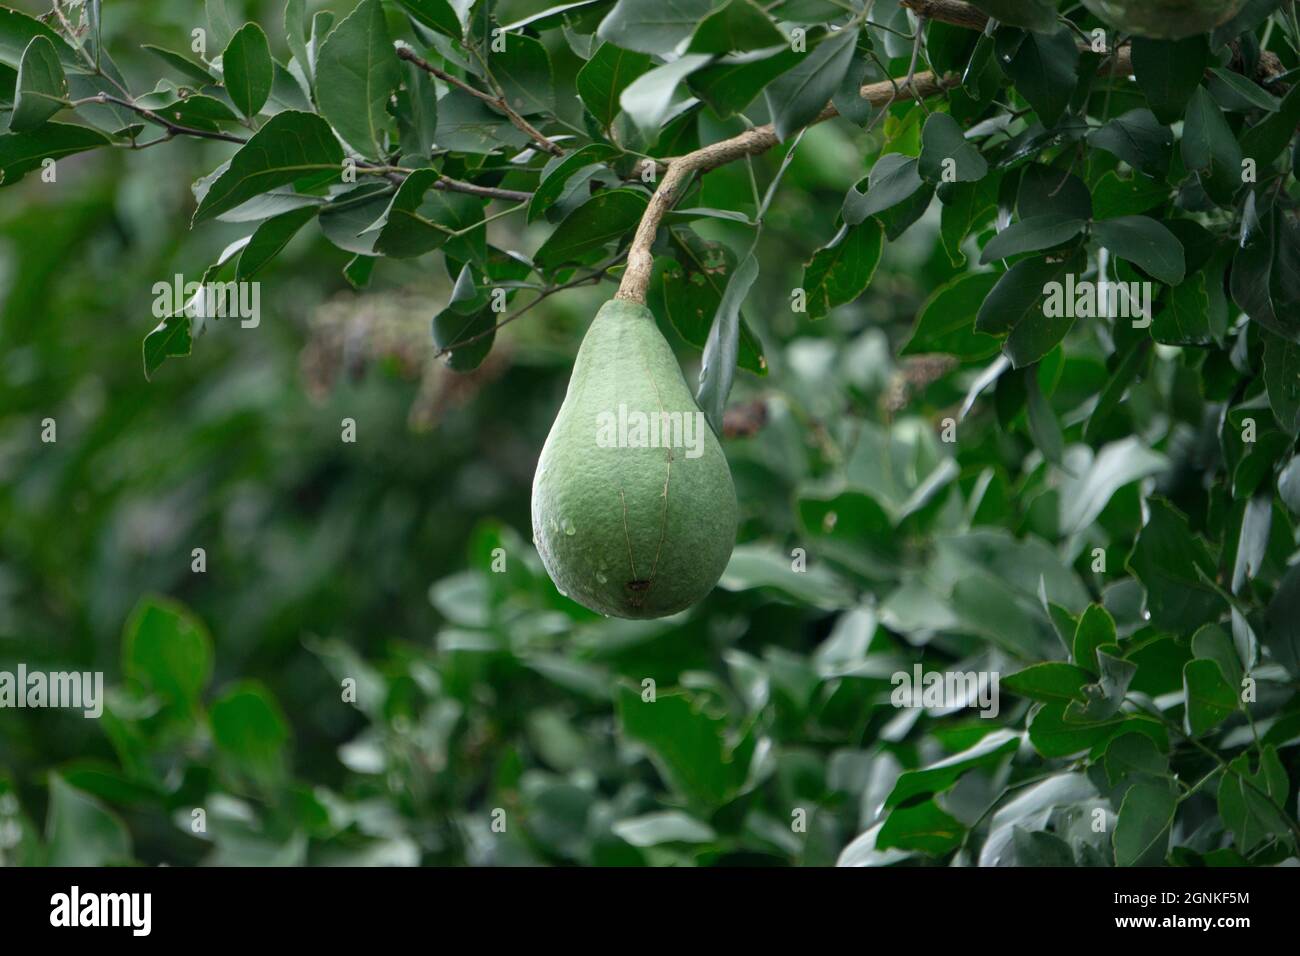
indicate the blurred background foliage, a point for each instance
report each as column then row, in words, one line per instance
column 486, row 697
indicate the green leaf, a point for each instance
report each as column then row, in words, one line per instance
column 1044, row 429
column 468, row 125
column 965, row 206
column 1105, row 697
column 1282, row 622
column 41, row 89
column 436, row 15
column 1288, row 485
column 1045, row 190
column 688, row 289
column 250, row 730
column 604, row 218
column 686, row 744
column 1134, row 755
column 346, row 219
column 20, row 153
column 1185, row 319
column 718, row 366
column 763, row 566
column 841, row 271
column 168, row 651
column 1168, row 71
column 796, row 97
column 269, row 238
column 1249, row 802
column 80, row 831
column 1052, row 680
column 1040, row 848
column 1126, row 371
column 1282, row 379
column 291, row 146
column 893, row 179
column 649, row 98
column 1043, row 69
column 523, row 70
column 921, row 826
column 652, row 26
column 604, row 77
column 666, row 826
column 171, row 338
column 418, row 113
column 17, row 30
column 1145, row 243
column 1145, row 819
column 732, row 82
column 1172, row 563
column 1096, row 629
column 1037, row 15
column 558, row 172
column 356, row 71
column 1052, row 735
column 192, row 71
column 946, row 322
column 1234, row 92
column 1270, row 136
column 1138, row 138
column 1031, row 235
column 946, row 154
column 1115, row 195
column 248, row 70
column 1015, row 306
column 1210, row 699
column 467, row 320
column 221, row 21
column 737, row 25
column 1210, row 148
column 409, row 229
column 939, row 777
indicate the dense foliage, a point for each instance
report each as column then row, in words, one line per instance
column 941, row 463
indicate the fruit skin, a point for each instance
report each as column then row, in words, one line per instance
column 1164, row 19
column 635, row 532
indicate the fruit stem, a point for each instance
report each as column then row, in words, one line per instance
column 640, row 261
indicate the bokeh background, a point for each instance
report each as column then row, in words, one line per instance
column 369, row 560
column 494, row 721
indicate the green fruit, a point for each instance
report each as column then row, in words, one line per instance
column 1164, row 19
column 634, row 512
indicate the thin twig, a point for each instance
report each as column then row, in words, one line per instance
column 173, row 129
column 588, row 279
column 527, row 128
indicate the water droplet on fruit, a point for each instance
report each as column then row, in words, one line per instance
column 569, row 529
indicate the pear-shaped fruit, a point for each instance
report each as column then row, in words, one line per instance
column 634, row 512
column 1164, row 19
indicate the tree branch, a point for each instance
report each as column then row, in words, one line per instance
column 955, row 12
column 445, row 183
column 636, row 277
column 173, row 129
column 527, row 128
